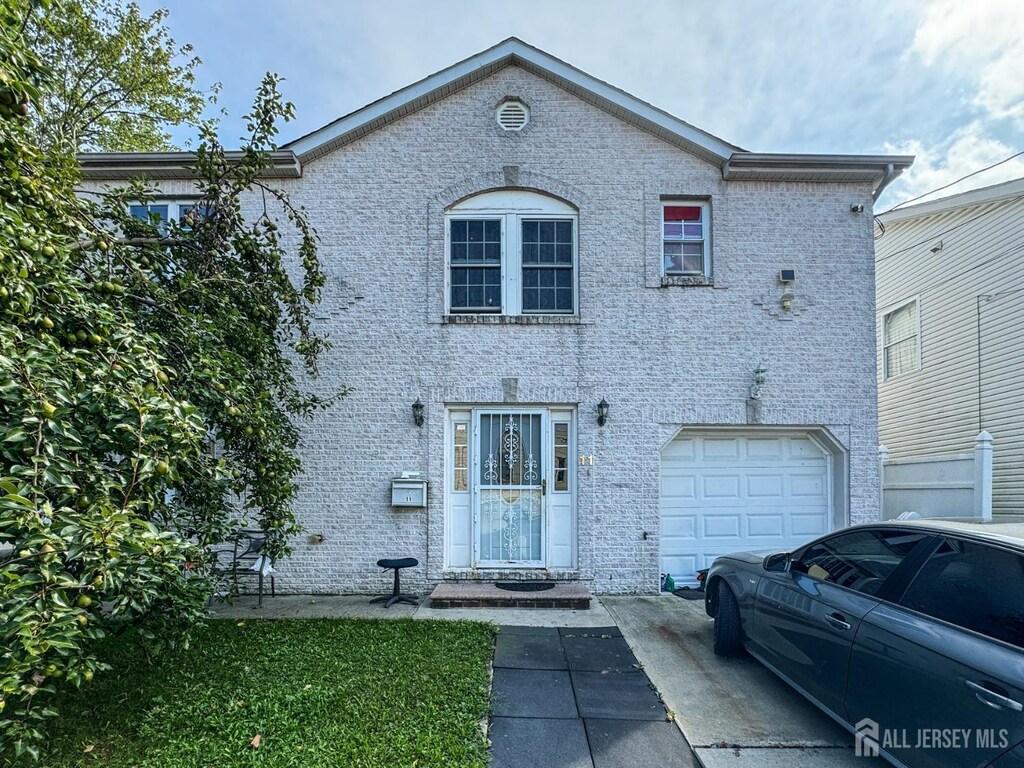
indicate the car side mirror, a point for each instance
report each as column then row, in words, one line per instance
column 777, row 563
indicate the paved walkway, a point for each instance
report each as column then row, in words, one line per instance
column 360, row 607
column 577, row 698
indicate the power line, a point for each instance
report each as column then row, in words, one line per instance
column 934, row 236
column 953, row 183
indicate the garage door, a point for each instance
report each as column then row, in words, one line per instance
column 728, row 493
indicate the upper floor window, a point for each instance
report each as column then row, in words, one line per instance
column 901, row 341
column 686, row 241
column 512, row 252
column 182, row 211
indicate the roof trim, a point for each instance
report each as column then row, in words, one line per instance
column 171, row 165
column 990, row 194
column 511, row 52
column 736, row 163
column 878, row 169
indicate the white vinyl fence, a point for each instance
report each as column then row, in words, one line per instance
column 955, row 486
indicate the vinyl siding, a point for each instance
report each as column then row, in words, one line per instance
column 970, row 291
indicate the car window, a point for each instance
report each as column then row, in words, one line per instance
column 859, row 560
column 975, row 586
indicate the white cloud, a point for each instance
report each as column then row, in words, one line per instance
column 965, row 151
column 982, row 40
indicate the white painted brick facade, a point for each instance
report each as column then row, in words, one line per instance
column 663, row 357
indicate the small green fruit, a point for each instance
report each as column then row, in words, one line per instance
column 47, row 323
column 162, row 377
column 83, row 620
column 49, row 251
column 88, row 675
column 52, row 670
column 83, row 601
column 24, row 553
column 48, row 409
column 162, row 467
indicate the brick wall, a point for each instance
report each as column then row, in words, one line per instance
column 663, row 357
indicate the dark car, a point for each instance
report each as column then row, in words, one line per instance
column 910, row 634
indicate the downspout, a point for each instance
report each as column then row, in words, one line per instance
column 888, row 176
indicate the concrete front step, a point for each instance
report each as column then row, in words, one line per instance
column 465, row 594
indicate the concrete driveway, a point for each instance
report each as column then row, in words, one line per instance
column 734, row 712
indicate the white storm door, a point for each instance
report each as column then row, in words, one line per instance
column 509, row 488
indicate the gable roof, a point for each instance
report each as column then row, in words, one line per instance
column 511, row 52
column 735, row 163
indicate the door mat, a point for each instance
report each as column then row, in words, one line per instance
column 689, row 593
column 525, row 586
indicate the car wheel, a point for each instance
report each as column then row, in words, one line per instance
column 728, row 635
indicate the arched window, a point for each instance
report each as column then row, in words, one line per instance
column 511, row 252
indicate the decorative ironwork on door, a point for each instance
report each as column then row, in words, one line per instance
column 510, row 488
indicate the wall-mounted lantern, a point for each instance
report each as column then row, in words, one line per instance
column 602, row 412
column 417, row 412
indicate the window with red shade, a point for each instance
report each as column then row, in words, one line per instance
column 685, row 239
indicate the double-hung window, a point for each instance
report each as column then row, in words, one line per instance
column 511, row 253
column 901, row 341
column 686, row 238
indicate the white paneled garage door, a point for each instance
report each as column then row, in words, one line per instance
column 726, row 493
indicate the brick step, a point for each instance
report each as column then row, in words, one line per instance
column 482, row 594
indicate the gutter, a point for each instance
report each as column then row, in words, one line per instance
column 880, row 169
column 172, row 165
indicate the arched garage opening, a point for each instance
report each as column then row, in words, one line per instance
column 730, row 489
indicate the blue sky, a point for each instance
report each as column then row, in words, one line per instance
column 940, row 79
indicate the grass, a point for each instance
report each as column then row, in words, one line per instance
column 331, row 692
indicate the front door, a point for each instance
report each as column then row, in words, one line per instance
column 509, row 488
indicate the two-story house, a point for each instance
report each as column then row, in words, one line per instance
column 612, row 344
column 950, row 284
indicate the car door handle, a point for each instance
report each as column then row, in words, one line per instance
column 990, row 698
column 837, row 620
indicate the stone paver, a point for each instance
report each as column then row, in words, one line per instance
column 618, row 695
column 598, row 654
column 619, row 721
column 617, row 743
column 529, row 651
column 537, row 743
column 545, row 693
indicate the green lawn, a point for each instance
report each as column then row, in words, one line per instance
column 331, row 692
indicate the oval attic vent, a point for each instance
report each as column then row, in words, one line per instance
column 513, row 115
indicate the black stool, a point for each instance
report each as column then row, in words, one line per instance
column 396, row 595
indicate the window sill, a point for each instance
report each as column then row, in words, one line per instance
column 687, row 281
column 469, row 319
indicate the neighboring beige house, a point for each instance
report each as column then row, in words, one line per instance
column 583, row 294
column 950, row 298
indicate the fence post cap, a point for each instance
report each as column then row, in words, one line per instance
column 983, row 437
